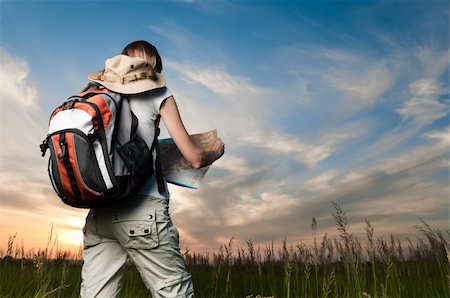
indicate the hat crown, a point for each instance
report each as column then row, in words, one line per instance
column 128, row 75
column 122, row 65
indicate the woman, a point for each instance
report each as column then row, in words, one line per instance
column 141, row 228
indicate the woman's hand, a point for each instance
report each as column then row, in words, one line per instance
column 213, row 154
column 218, row 149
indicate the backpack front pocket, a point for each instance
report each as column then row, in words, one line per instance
column 137, row 157
column 74, row 158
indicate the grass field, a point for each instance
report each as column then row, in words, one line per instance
column 330, row 267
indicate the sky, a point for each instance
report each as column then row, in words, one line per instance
column 316, row 101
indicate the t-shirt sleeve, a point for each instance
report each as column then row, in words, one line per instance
column 159, row 98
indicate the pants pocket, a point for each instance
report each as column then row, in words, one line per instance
column 90, row 236
column 138, row 233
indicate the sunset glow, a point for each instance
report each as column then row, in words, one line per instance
column 316, row 101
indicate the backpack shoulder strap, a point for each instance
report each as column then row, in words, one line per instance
column 92, row 86
column 154, row 145
column 158, row 167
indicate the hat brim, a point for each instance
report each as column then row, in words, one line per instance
column 134, row 87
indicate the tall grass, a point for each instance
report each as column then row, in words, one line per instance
column 329, row 267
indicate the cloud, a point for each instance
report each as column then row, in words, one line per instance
column 361, row 84
column 338, row 123
column 368, row 94
column 321, row 182
column 268, row 166
column 392, row 193
column 424, row 107
column 290, row 146
column 22, row 126
column 422, row 103
column 405, row 179
column 216, row 79
column 342, row 81
column 25, row 192
column 245, row 113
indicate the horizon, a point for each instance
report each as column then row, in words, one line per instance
column 234, row 247
column 317, row 102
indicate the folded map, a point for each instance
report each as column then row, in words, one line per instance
column 176, row 169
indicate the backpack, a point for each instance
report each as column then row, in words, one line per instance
column 96, row 157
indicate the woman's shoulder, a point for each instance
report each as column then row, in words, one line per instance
column 155, row 94
column 151, row 99
column 162, row 92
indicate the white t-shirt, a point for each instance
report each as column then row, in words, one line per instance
column 146, row 108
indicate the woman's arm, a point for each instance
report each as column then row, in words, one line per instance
column 194, row 155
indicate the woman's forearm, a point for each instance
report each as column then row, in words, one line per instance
column 194, row 155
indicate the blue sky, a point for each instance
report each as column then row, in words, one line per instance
column 317, row 101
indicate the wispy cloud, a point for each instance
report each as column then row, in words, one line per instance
column 424, row 107
column 247, row 112
column 290, row 146
column 236, row 200
column 21, row 122
column 361, row 85
column 25, row 192
column 216, row 79
column 310, row 113
column 322, row 181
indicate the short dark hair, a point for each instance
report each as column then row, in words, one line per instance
column 147, row 49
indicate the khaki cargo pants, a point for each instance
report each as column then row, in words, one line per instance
column 143, row 230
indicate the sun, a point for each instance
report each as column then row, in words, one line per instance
column 70, row 234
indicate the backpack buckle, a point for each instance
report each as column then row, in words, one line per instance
column 62, row 145
column 44, row 146
column 94, row 136
column 69, row 104
column 63, row 151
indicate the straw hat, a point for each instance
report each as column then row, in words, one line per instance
column 128, row 75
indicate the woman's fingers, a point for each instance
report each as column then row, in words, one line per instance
column 218, row 147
